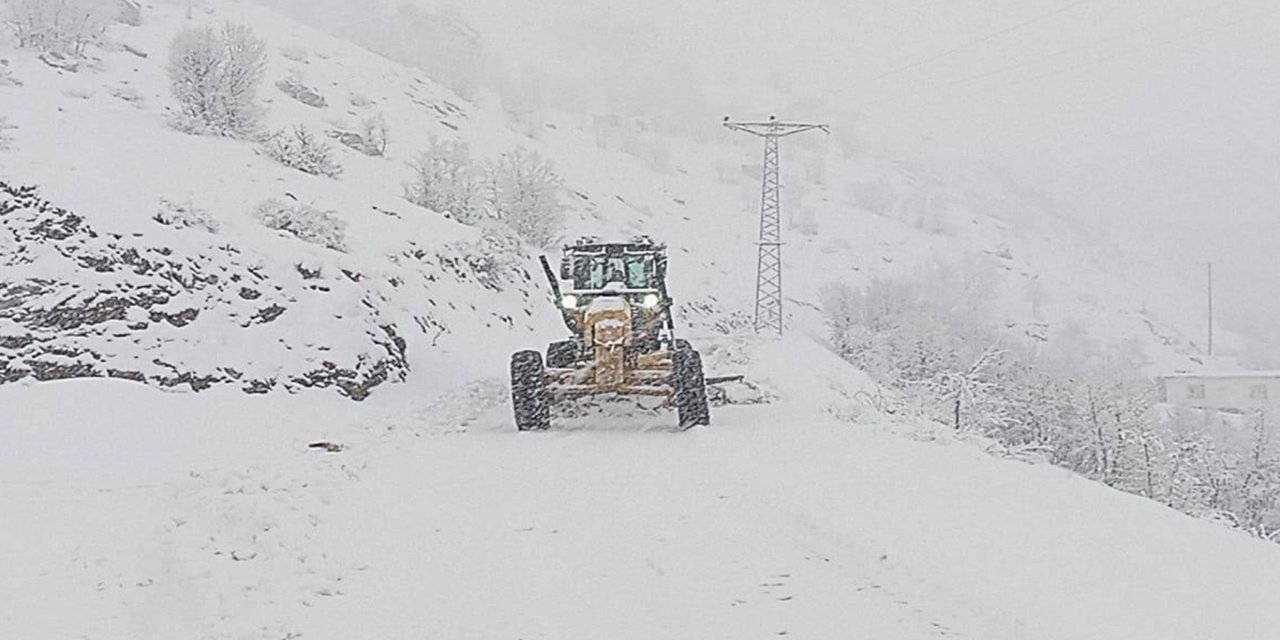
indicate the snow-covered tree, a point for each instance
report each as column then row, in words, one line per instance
column 928, row 336
column 522, row 191
column 215, row 75
column 1074, row 401
column 64, row 27
column 445, row 179
column 1259, row 477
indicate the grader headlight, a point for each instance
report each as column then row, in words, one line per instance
column 650, row 300
column 569, row 301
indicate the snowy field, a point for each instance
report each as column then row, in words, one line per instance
column 132, row 513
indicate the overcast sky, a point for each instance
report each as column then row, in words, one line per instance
column 1156, row 115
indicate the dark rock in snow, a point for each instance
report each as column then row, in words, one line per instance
column 167, row 310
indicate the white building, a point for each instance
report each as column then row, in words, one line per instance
column 1233, row 391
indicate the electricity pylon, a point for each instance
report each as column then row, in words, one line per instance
column 769, row 259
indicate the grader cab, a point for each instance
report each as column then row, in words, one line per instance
column 614, row 302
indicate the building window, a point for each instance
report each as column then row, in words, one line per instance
column 1195, row 391
column 1258, row 392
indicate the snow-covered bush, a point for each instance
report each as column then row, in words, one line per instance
column 496, row 259
column 214, row 75
column 64, row 27
column 446, row 180
column 294, row 88
column 183, row 216
column 303, row 221
column 369, row 138
column 522, row 191
column 298, row 148
column 374, row 133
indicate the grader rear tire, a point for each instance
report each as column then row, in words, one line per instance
column 691, row 389
column 529, row 396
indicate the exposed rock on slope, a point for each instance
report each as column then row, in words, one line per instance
column 181, row 307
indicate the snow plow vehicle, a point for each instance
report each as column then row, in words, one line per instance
column 616, row 307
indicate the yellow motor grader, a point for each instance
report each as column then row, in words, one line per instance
column 615, row 305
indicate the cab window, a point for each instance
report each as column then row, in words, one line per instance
column 594, row 272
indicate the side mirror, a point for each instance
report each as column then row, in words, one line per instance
column 566, row 268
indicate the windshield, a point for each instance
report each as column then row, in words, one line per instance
column 593, row 272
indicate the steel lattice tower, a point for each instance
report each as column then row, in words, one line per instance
column 769, row 259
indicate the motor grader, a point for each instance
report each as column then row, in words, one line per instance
column 615, row 304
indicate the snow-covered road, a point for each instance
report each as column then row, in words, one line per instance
column 631, row 535
column 137, row 521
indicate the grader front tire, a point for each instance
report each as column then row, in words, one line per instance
column 529, row 396
column 692, row 407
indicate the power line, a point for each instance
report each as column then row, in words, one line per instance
column 983, row 39
column 1088, row 63
column 1083, row 47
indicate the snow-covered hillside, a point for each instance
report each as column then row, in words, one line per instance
column 226, row 498
column 97, row 143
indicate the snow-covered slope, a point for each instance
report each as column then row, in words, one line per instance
column 255, row 307
column 96, row 142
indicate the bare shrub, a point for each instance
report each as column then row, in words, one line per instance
column 298, row 148
column 215, row 77
column 303, row 221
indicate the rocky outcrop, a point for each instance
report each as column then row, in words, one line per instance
column 177, row 307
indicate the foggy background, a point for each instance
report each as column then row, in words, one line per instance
column 1154, row 119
